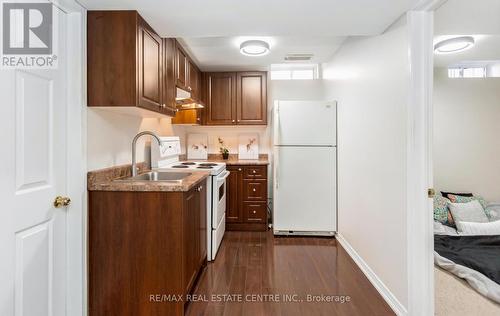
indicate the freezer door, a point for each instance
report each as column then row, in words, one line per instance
column 305, row 189
column 310, row 123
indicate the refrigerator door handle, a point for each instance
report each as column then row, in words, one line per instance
column 276, row 166
column 276, row 143
column 276, row 125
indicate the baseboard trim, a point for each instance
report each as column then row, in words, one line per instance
column 384, row 291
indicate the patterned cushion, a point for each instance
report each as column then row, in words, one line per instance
column 466, row 199
column 441, row 209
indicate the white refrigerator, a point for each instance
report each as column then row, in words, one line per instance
column 305, row 168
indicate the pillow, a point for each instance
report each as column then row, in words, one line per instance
column 493, row 212
column 445, row 194
column 468, row 212
column 441, row 209
column 466, row 199
column 471, row 228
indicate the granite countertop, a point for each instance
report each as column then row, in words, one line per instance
column 103, row 180
column 233, row 160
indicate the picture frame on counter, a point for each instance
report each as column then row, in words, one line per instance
column 248, row 146
column 197, row 146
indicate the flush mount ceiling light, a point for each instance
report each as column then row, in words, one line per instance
column 254, row 48
column 454, row 45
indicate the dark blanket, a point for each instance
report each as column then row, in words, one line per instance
column 480, row 253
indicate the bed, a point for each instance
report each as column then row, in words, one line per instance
column 473, row 259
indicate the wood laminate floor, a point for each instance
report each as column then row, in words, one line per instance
column 256, row 273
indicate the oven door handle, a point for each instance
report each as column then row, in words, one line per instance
column 224, row 177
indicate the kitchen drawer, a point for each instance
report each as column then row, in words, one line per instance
column 255, row 212
column 254, row 190
column 255, row 172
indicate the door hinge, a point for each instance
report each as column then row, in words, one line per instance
column 431, row 193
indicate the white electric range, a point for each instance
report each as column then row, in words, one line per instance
column 166, row 157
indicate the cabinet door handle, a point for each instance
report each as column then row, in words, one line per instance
column 200, row 188
column 254, row 212
column 239, row 169
column 254, row 189
column 233, row 121
column 254, row 171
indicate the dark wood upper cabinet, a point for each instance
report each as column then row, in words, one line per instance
column 220, row 98
column 124, row 61
column 193, row 82
column 112, row 58
column 129, row 65
column 150, row 68
column 251, row 98
column 234, row 98
column 181, row 66
column 169, row 88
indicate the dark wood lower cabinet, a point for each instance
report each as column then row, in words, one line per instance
column 144, row 248
column 246, row 205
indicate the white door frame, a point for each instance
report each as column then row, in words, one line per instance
column 76, row 157
column 419, row 160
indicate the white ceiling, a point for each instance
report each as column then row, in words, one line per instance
column 486, row 48
column 210, row 28
column 222, row 53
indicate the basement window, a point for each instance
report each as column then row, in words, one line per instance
column 294, row 71
column 467, row 72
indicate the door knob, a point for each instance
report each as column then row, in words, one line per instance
column 61, row 201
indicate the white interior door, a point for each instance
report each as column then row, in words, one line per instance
column 312, row 123
column 305, row 189
column 33, row 232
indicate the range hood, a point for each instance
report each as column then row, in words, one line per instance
column 184, row 101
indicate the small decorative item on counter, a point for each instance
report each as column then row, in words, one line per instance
column 248, row 146
column 223, row 149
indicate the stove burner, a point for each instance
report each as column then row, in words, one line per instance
column 188, row 163
column 204, row 167
column 208, row 164
column 180, row 166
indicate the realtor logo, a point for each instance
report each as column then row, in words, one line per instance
column 27, row 35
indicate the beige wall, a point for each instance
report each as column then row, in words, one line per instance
column 467, row 135
column 369, row 78
column 110, row 134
